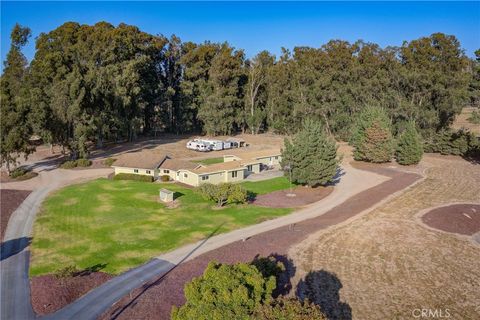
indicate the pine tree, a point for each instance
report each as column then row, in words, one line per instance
column 311, row 156
column 409, row 149
column 372, row 138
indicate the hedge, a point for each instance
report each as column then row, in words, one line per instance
column 131, row 176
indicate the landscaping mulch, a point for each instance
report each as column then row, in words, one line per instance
column 9, row 202
column 282, row 198
column 155, row 300
column 50, row 294
column 456, row 218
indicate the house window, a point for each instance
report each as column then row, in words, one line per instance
column 135, row 170
column 185, row 175
column 276, row 158
column 204, row 177
column 148, row 171
column 234, row 174
column 166, row 171
column 249, row 167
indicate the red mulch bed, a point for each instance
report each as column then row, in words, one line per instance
column 9, row 202
column 155, row 300
column 50, row 294
column 456, row 218
column 303, row 196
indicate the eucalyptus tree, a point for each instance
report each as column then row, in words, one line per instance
column 14, row 118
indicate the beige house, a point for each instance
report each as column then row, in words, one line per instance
column 235, row 168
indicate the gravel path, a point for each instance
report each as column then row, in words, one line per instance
column 155, row 299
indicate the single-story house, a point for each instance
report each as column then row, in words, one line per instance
column 268, row 158
column 145, row 163
column 234, row 168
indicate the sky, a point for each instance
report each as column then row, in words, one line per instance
column 256, row 26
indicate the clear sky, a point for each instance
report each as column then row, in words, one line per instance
column 254, row 26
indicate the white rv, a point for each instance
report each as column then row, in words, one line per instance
column 214, row 145
column 198, row 145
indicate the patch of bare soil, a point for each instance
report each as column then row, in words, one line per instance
column 50, row 294
column 155, row 299
column 456, row 218
column 388, row 265
column 284, row 199
column 10, row 200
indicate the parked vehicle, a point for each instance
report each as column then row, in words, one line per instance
column 214, row 145
column 198, row 145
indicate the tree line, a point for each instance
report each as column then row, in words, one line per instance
column 95, row 83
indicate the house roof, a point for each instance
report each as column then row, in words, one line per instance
column 218, row 167
column 175, row 165
column 143, row 160
column 258, row 154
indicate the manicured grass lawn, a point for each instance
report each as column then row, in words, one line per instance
column 121, row 223
column 267, row 186
column 210, row 161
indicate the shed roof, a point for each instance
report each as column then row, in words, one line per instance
column 143, row 159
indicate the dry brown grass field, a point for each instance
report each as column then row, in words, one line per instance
column 387, row 264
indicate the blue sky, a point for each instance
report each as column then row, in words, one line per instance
column 257, row 26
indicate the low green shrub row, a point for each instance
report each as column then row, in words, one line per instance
column 70, row 164
column 134, row 177
column 109, row 161
column 18, row 172
column 165, row 178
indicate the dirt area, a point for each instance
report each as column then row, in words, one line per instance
column 10, row 200
column 461, row 121
column 283, row 199
column 385, row 264
column 155, row 299
column 65, row 290
column 456, row 218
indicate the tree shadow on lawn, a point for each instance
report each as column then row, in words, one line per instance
column 157, row 281
column 89, row 270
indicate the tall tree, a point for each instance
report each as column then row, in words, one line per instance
column 256, row 91
column 311, row 157
column 14, row 122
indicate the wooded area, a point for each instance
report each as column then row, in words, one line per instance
column 90, row 84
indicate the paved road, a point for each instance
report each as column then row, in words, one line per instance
column 113, row 290
column 15, row 300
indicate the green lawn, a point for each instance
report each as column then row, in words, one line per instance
column 209, row 161
column 267, row 186
column 121, row 223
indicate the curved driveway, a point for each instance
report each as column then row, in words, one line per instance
column 15, row 295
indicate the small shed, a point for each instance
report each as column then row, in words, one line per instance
column 166, row 195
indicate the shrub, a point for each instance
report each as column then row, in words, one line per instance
column 68, row 165
column 372, row 137
column 84, row 163
column 448, row 142
column 409, row 148
column 289, row 309
column 131, row 176
column 18, row 172
column 225, row 292
column 475, row 117
column 268, row 266
column 65, row 272
column 165, row 178
column 311, row 157
column 223, row 193
column 109, row 161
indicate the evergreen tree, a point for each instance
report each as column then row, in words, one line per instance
column 14, row 118
column 311, row 157
column 225, row 292
column 289, row 309
column 409, row 146
column 372, row 138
